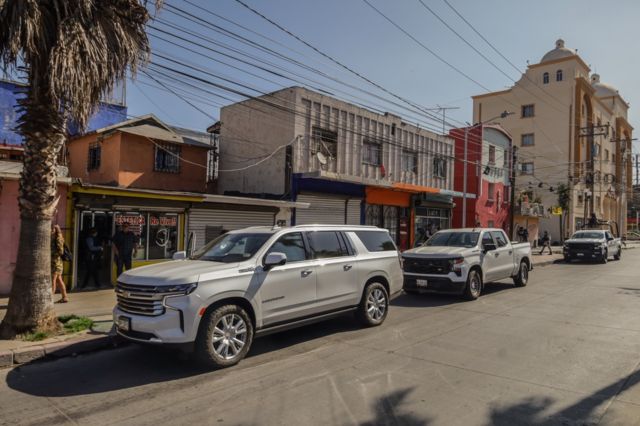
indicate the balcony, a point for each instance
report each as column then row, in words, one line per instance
column 530, row 209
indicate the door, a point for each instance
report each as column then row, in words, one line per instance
column 288, row 292
column 490, row 260
column 337, row 280
column 503, row 254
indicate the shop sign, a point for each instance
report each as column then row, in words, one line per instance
column 163, row 221
column 130, row 219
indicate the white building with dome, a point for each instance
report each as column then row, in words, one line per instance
column 555, row 102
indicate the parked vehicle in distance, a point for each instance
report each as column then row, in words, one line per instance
column 460, row 261
column 592, row 244
column 257, row 281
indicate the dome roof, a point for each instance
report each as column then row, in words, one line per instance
column 558, row 53
column 602, row 89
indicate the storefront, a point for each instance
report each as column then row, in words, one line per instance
column 432, row 214
column 390, row 209
column 157, row 219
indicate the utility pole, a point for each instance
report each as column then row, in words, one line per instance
column 514, row 162
column 637, row 169
column 464, row 179
column 590, row 132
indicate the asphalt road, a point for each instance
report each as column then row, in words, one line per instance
column 563, row 350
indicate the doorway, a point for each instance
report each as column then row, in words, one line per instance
column 102, row 221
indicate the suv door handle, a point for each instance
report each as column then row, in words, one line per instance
column 510, row 251
column 347, row 267
column 306, row 273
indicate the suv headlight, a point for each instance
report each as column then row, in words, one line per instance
column 178, row 288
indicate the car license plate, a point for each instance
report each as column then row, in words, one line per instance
column 580, row 254
column 422, row 283
column 123, row 323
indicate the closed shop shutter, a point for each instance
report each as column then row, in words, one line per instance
column 205, row 222
column 328, row 210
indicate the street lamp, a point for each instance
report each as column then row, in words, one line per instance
column 464, row 176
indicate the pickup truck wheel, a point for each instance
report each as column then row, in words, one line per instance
column 474, row 285
column 522, row 278
column 374, row 305
column 618, row 255
column 224, row 337
column 605, row 256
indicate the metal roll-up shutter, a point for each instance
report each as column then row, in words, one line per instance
column 229, row 220
column 354, row 206
column 328, row 210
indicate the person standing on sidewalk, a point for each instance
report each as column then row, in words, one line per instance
column 92, row 254
column 57, row 250
column 546, row 242
column 124, row 248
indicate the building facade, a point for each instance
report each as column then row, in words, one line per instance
column 488, row 169
column 569, row 129
column 350, row 164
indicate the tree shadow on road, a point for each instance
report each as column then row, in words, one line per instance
column 532, row 411
column 388, row 410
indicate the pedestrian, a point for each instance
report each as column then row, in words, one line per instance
column 525, row 235
column 57, row 251
column 593, row 221
column 520, row 234
column 546, row 242
column 124, row 247
column 92, row 254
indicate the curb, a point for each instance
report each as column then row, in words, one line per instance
column 57, row 350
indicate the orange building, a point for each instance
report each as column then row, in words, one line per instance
column 142, row 153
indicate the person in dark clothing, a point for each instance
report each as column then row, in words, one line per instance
column 546, row 242
column 593, row 221
column 124, row 248
column 92, row 255
column 520, row 234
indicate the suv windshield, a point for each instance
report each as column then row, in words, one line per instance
column 454, row 239
column 231, row 248
column 585, row 235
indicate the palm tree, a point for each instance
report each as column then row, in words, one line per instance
column 70, row 52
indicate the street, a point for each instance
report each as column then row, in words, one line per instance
column 563, row 350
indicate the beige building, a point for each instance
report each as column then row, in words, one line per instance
column 351, row 164
column 570, row 129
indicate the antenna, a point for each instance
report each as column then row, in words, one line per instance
column 322, row 159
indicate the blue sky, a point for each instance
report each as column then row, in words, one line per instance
column 351, row 32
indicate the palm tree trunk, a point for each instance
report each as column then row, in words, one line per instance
column 31, row 303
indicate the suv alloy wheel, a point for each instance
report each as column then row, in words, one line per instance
column 224, row 337
column 374, row 305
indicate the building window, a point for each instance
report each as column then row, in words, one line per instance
column 440, row 167
column 156, row 233
column 527, row 140
column 325, row 141
column 545, row 78
column 527, row 168
column 491, row 192
column 409, row 161
column 527, row 110
column 167, row 158
column 372, row 153
column 559, row 75
column 613, row 158
column 492, row 154
column 606, row 155
column 95, row 152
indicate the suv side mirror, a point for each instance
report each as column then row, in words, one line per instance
column 488, row 247
column 274, row 259
column 179, row 255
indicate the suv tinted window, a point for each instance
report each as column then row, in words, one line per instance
column 499, row 237
column 292, row 245
column 486, row 239
column 325, row 244
column 376, row 240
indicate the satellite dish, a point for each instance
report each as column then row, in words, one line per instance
column 321, row 158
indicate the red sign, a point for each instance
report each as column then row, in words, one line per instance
column 131, row 220
column 163, row 221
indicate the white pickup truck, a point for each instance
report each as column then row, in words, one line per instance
column 460, row 261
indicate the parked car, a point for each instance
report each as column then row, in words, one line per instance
column 257, row 281
column 593, row 244
column 460, row 261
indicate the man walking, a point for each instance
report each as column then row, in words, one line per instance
column 124, row 248
column 546, row 242
column 92, row 252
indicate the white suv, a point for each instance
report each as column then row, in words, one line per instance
column 257, row 281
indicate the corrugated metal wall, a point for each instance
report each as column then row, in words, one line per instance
column 229, row 220
column 328, row 209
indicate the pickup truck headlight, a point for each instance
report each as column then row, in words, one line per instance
column 178, row 288
column 456, row 264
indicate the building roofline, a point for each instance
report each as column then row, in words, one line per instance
column 485, row 95
column 557, row 61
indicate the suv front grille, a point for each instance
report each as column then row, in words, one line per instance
column 426, row 266
column 139, row 300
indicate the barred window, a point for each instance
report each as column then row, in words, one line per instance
column 440, row 167
column 325, row 141
column 372, row 152
column 167, row 158
column 95, row 152
column 409, row 161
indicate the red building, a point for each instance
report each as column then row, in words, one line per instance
column 488, row 169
